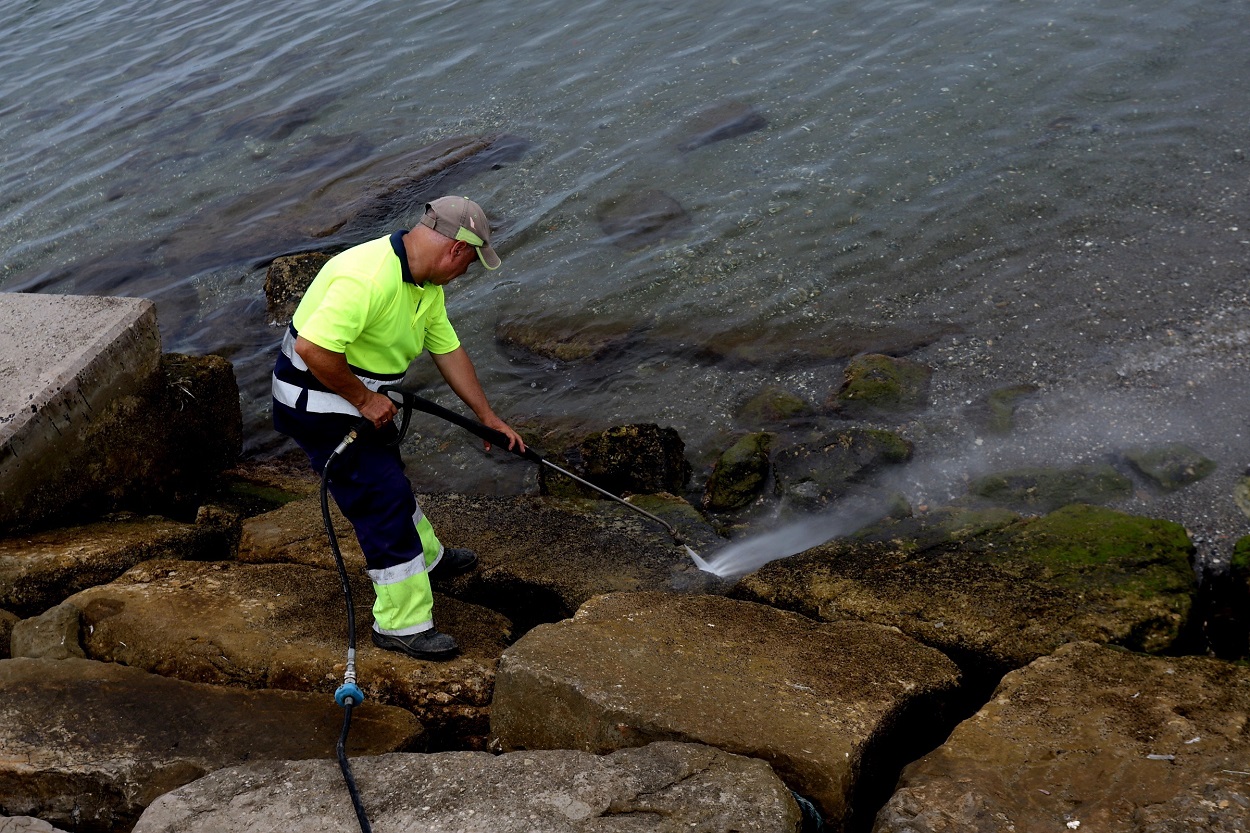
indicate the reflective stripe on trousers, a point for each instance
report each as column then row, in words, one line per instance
column 370, row 487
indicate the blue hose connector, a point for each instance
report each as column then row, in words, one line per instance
column 346, row 691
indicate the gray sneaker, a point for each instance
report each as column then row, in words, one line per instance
column 430, row 644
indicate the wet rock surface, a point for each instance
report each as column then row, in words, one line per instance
column 740, row 474
column 811, row 474
column 542, row 558
column 286, row 281
column 87, row 745
column 1091, row 738
column 1170, row 467
column 875, row 384
column 283, row 626
column 814, row 700
column 7, row 621
column 664, row 787
column 41, row 570
column 1041, row 489
column 625, row 459
column 994, row 593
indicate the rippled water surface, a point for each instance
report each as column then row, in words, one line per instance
column 1011, row 192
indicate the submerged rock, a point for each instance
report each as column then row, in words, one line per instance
column 995, row 413
column 1170, row 467
column 283, row 626
column 995, row 593
column 644, row 218
column 663, row 787
column 820, row 703
column 719, row 122
column 812, row 474
column 876, row 383
column 773, row 404
column 1045, row 489
column 562, row 338
column 789, row 346
column 1094, row 739
column 87, row 745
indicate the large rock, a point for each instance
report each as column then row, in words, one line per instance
column 665, row 787
column 626, row 459
column 1093, row 739
column 541, row 558
column 286, row 281
column 283, row 626
column 821, row 703
column 71, row 364
column 994, row 593
column 39, row 571
column 87, row 745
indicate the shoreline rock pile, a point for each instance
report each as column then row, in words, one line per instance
column 964, row 667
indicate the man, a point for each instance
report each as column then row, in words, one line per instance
column 369, row 312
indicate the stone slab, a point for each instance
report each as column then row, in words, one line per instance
column 661, row 788
column 819, row 702
column 66, row 358
column 1093, row 739
column 87, row 745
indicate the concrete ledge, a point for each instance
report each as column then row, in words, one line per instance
column 67, row 360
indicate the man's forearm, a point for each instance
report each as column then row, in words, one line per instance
column 457, row 370
column 331, row 370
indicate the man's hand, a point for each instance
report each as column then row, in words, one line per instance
column 514, row 439
column 378, row 408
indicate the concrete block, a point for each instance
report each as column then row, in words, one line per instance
column 67, row 360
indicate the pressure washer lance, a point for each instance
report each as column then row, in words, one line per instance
column 411, row 400
column 348, row 694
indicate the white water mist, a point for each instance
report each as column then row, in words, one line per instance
column 749, row 554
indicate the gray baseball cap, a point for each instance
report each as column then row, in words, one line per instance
column 460, row 218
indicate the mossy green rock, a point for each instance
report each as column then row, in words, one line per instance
column 812, row 474
column 875, row 383
column 770, row 405
column 1170, row 466
column 994, row 594
column 740, row 474
column 996, row 412
column 1044, row 489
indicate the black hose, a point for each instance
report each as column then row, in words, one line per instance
column 348, row 778
column 351, row 629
